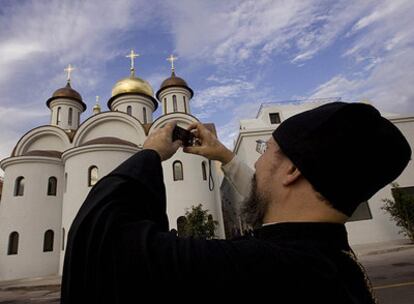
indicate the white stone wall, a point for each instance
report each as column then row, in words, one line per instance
column 65, row 105
column 77, row 162
column 137, row 104
column 31, row 215
column 181, row 94
column 192, row 190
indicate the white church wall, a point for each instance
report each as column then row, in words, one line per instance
column 31, row 215
column 43, row 138
column 62, row 105
column 137, row 103
column 192, row 190
column 182, row 98
column 77, row 162
column 110, row 124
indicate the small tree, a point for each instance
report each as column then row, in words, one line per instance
column 198, row 224
column 401, row 210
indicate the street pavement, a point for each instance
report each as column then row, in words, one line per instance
column 392, row 275
column 389, row 266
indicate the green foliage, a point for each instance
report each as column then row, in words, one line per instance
column 401, row 210
column 197, row 223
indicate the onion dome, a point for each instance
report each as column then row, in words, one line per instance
column 132, row 85
column 174, row 81
column 68, row 93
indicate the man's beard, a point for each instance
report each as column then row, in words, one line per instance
column 254, row 208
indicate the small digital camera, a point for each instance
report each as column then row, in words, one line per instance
column 187, row 138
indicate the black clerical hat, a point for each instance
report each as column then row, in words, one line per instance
column 347, row 151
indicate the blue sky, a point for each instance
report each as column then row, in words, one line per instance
column 235, row 55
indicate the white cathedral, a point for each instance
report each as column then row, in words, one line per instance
column 53, row 167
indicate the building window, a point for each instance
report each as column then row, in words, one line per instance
column 63, row 239
column 175, row 109
column 70, row 116
column 165, row 105
column 204, row 170
column 144, row 113
column 66, row 181
column 13, row 243
column 92, row 175
column 48, row 241
column 178, row 170
column 129, row 110
column 19, row 186
column 181, row 226
column 362, row 212
column 185, row 105
column 59, row 116
column 274, row 118
column 52, row 186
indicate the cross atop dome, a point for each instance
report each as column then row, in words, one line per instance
column 69, row 69
column 132, row 55
column 171, row 59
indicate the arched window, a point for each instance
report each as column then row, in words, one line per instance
column 185, row 105
column 165, row 105
column 175, row 109
column 144, row 113
column 178, row 170
column 129, row 110
column 59, row 116
column 204, row 170
column 19, row 186
column 48, row 241
column 51, row 186
column 13, row 243
column 181, row 226
column 63, row 239
column 66, row 181
column 92, row 175
column 70, row 116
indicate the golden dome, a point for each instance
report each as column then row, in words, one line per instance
column 132, row 85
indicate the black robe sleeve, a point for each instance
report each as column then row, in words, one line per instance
column 119, row 244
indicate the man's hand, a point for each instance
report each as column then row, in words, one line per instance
column 160, row 141
column 210, row 146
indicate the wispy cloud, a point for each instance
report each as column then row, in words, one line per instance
column 383, row 50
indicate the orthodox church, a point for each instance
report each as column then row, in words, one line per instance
column 53, row 167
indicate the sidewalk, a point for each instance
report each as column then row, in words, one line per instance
column 383, row 247
column 53, row 280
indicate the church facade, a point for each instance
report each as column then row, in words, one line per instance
column 53, row 167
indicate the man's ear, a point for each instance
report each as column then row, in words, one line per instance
column 292, row 175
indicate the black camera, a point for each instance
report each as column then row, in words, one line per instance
column 187, row 138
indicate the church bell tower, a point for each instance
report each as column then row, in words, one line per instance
column 66, row 105
column 174, row 93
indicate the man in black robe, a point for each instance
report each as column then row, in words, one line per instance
column 318, row 166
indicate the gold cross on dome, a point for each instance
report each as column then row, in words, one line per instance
column 132, row 56
column 172, row 59
column 69, row 69
column 97, row 99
